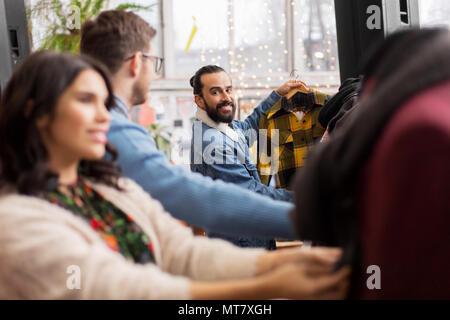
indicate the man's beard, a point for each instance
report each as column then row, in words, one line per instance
column 214, row 114
column 139, row 94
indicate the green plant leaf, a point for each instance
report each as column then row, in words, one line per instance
column 57, row 36
column 135, row 7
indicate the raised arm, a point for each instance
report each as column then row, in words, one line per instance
column 185, row 195
column 252, row 121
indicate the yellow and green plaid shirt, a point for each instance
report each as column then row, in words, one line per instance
column 296, row 136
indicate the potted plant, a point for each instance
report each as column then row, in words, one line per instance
column 62, row 20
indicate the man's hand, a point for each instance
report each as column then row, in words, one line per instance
column 288, row 86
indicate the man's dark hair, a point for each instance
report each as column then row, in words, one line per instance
column 39, row 82
column 113, row 36
column 196, row 81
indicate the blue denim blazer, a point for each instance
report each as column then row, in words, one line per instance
column 218, row 156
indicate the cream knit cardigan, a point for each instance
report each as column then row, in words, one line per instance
column 39, row 241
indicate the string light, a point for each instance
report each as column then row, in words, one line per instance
column 241, row 64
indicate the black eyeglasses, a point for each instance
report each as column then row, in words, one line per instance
column 157, row 61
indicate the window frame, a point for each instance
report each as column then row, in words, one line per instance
column 170, row 84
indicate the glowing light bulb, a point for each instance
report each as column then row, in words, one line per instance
column 319, row 55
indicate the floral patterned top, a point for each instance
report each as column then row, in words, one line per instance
column 119, row 231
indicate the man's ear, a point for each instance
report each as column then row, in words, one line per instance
column 136, row 64
column 200, row 102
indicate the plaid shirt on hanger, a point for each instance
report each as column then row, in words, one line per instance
column 296, row 135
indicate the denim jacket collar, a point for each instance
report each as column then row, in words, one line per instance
column 220, row 126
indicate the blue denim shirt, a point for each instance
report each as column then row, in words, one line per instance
column 200, row 201
column 218, row 156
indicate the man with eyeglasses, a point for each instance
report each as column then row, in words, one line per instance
column 122, row 41
column 157, row 61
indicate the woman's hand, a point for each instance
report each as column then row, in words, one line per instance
column 304, row 280
column 319, row 255
column 308, row 281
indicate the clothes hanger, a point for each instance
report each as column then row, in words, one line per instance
column 294, row 91
column 302, row 89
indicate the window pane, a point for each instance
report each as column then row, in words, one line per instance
column 210, row 43
column 434, row 12
column 260, row 42
column 315, row 38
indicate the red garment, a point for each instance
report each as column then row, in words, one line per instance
column 404, row 213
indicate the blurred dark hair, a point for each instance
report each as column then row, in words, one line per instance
column 327, row 189
column 32, row 92
column 196, row 81
column 113, row 36
column 384, row 59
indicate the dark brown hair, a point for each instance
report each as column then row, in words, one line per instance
column 113, row 36
column 196, row 80
column 41, row 79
